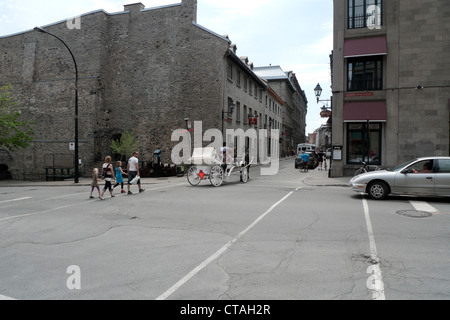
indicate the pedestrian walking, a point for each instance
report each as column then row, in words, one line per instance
column 133, row 171
column 94, row 183
column 119, row 176
column 108, row 175
column 320, row 158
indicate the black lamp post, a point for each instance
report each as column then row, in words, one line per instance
column 76, row 101
column 318, row 92
column 231, row 107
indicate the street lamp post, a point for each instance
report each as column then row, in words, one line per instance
column 231, row 107
column 325, row 112
column 76, row 179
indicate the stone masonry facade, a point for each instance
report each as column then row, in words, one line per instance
column 143, row 70
column 415, row 77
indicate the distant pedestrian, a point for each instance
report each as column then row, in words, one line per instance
column 119, row 176
column 223, row 152
column 133, row 171
column 320, row 156
column 108, row 175
column 94, row 183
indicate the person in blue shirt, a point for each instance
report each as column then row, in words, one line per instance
column 119, row 175
column 304, row 157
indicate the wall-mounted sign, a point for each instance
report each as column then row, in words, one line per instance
column 337, row 153
column 359, row 94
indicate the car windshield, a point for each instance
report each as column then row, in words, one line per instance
column 400, row 167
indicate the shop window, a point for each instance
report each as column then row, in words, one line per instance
column 364, row 143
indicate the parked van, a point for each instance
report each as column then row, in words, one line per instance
column 305, row 147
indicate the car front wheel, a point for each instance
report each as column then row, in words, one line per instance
column 378, row 190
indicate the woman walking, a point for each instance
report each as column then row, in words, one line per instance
column 108, row 174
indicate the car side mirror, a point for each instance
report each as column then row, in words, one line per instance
column 406, row 171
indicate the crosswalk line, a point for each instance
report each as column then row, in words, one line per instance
column 424, row 206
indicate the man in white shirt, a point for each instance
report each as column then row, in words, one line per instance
column 133, row 171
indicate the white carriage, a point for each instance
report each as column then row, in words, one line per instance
column 207, row 164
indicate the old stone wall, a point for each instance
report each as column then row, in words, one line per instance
column 424, row 59
column 143, row 70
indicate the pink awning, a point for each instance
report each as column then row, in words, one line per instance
column 365, row 111
column 365, row 47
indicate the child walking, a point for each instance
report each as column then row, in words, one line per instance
column 119, row 176
column 94, row 183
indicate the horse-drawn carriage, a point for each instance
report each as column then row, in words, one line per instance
column 207, row 163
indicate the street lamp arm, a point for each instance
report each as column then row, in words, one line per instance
column 70, row 51
column 76, row 178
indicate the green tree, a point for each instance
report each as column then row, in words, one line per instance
column 126, row 145
column 14, row 133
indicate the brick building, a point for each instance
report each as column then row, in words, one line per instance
column 391, row 81
column 144, row 70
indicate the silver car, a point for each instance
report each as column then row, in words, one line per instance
column 428, row 176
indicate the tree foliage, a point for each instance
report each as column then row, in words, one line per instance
column 126, row 145
column 14, row 133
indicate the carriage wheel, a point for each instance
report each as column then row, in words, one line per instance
column 244, row 175
column 216, row 176
column 193, row 176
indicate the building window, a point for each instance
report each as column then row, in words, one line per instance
column 245, row 113
column 365, row 73
column 238, row 111
column 365, row 14
column 245, row 83
column 230, row 71
column 250, row 87
column 238, row 78
column 230, row 110
column 364, row 143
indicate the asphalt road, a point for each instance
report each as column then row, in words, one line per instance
column 274, row 238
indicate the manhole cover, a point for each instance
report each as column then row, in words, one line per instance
column 415, row 213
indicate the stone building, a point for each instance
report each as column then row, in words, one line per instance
column 295, row 107
column 144, row 70
column 391, row 83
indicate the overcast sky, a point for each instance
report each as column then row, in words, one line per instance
column 294, row 34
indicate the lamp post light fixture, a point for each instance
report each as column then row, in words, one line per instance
column 318, row 92
column 231, row 107
column 76, row 178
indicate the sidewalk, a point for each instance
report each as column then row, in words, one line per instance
column 315, row 177
column 319, row 178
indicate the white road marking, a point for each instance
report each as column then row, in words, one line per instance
column 13, row 200
column 424, row 206
column 5, row 298
column 378, row 292
column 219, row 252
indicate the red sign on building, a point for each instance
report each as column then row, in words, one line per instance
column 359, row 94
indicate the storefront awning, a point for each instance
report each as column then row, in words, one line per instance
column 365, row 111
column 362, row 47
